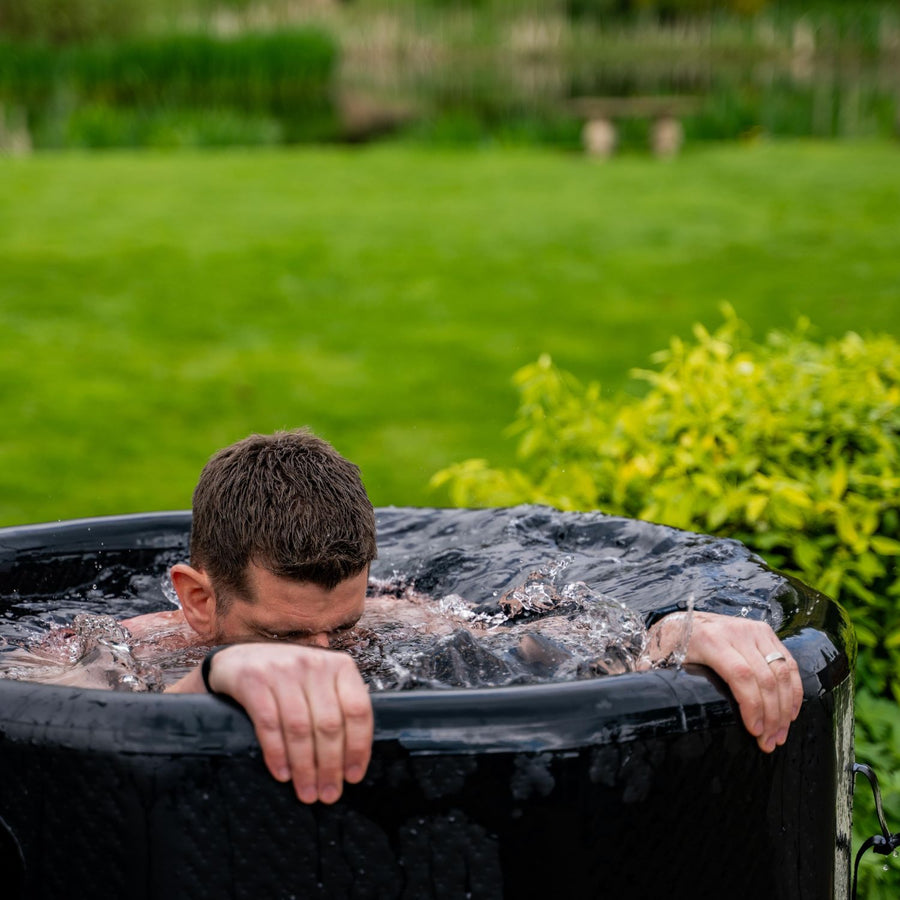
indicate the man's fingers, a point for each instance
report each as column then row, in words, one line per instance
column 742, row 677
column 311, row 711
column 788, row 688
column 327, row 726
column 353, row 696
column 298, row 739
column 262, row 706
column 773, row 720
column 769, row 694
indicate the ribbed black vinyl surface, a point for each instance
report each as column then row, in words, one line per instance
column 699, row 815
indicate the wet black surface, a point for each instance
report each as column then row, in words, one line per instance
column 532, row 567
column 480, row 554
column 477, row 554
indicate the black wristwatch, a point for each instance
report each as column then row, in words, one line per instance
column 206, row 666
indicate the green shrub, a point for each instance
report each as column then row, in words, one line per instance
column 789, row 445
column 466, row 128
column 29, row 73
column 736, row 109
column 99, row 127
column 275, row 71
column 108, row 88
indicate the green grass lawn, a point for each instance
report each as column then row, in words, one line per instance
column 154, row 307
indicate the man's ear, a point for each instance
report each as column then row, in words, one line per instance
column 198, row 599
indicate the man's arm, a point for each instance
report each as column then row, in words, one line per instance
column 768, row 694
column 310, row 708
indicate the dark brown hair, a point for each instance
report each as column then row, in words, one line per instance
column 287, row 502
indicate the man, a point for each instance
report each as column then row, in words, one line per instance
column 281, row 540
column 282, row 537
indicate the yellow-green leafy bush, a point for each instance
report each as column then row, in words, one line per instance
column 789, row 445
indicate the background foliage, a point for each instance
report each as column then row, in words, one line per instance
column 201, row 89
column 790, row 445
column 98, row 73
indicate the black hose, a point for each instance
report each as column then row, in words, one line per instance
column 883, row 844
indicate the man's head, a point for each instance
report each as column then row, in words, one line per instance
column 278, row 510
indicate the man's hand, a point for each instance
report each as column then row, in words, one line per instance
column 768, row 694
column 310, row 708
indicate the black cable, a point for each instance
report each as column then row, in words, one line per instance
column 883, row 844
column 880, row 846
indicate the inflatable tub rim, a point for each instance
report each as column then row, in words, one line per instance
column 537, row 718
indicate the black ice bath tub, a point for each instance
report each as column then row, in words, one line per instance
column 638, row 785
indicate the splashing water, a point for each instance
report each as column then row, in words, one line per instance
column 543, row 629
column 94, row 651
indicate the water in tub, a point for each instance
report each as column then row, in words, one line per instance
column 543, row 629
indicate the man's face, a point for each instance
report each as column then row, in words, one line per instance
column 287, row 610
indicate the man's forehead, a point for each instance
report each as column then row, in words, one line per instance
column 265, row 580
column 300, row 605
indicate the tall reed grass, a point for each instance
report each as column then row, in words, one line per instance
column 283, row 79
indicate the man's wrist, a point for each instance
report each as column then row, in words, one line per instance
column 206, row 667
column 657, row 615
